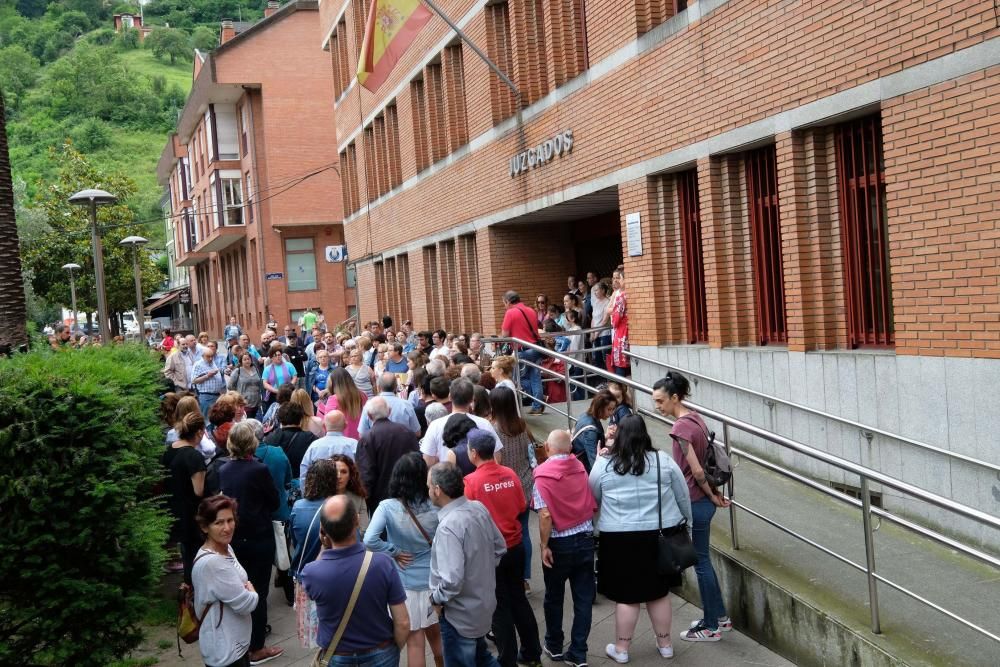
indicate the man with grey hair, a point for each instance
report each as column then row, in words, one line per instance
column 179, row 364
column 400, row 410
column 435, row 368
column 380, row 448
column 472, row 373
column 334, row 442
column 463, row 573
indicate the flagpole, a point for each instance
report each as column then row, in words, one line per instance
column 465, row 38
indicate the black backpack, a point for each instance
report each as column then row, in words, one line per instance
column 718, row 468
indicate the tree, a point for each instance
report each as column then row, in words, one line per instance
column 68, row 238
column 13, row 310
column 204, row 38
column 18, row 70
column 168, row 42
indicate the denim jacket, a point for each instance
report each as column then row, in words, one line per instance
column 404, row 536
column 628, row 502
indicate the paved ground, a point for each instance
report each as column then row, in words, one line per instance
column 734, row 649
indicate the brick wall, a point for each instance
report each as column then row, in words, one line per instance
column 764, row 58
column 943, row 188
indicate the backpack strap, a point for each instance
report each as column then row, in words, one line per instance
column 328, row 653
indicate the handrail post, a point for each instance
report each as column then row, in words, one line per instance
column 569, row 399
column 517, row 381
column 866, row 517
column 732, row 508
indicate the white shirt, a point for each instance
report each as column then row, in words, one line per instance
column 439, row 352
column 433, row 442
column 600, row 307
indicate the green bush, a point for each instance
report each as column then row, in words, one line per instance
column 81, row 545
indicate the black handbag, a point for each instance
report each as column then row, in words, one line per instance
column 674, row 549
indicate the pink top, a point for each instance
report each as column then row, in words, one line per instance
column 690, row 428
column 331, row 404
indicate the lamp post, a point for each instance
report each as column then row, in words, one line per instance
column 94, row 198
column 72, row 290
column 135, row 242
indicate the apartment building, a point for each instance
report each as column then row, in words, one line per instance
column 805, row 197
column 253, row 179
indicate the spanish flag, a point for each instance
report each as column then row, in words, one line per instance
column 392, row 27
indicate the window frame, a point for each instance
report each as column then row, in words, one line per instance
column 289, row 253
column 693, row 257
column 765, row 240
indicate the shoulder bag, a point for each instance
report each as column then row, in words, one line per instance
column 419, row 527
column 675, row 551
column 323, row 656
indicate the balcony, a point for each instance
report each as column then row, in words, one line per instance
column 221, row 237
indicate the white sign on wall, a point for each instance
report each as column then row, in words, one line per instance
column 633, row 232
column 336, row 253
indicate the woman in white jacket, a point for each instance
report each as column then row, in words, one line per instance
column 223, row 595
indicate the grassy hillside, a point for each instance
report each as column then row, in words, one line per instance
column 144, row 62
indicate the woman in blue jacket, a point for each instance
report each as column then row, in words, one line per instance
column 409, row 521
column 588, row 435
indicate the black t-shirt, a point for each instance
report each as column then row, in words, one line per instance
column 183, row 462
column 293, row 442
column 297, row 357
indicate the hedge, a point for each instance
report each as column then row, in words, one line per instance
column 81, row 538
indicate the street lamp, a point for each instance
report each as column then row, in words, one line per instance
column 72, row 290
column 135, row 242
column 94, row 198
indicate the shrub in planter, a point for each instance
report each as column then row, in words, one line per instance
column 81, row 540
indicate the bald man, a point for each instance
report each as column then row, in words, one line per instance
column 372, row 636
column 380, row 448
column 334, row 442
column 566, row 508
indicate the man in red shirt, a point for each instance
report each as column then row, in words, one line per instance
column 517, row 323
column 499, row 489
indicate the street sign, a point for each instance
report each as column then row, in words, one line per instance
column 186, row 296
column 274, row 276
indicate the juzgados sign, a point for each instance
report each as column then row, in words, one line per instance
column 544, row 152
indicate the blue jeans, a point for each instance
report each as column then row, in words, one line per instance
column 573, row 561
column 205, row 402
column 708, row 584
column 462, row 651
column 526, row 541
column 380, row 657
column 531, row 377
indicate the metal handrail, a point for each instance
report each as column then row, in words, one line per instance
column 866, row 475
column 866, row 430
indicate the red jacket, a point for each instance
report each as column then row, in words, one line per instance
column 498, row 488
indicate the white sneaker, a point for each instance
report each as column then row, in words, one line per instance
column 620, row 657
column 665, row 651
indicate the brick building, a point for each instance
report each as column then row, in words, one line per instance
column 814, row 187
column 254, row 192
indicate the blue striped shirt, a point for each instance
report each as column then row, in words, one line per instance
column 537, row 502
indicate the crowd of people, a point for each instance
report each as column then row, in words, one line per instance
column 385, row 482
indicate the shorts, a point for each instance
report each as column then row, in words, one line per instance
column 418, row 606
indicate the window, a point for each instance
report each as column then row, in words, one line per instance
column 437, row 121
column 569, row 39
column 863, row 232
column 352, row 276
column 128, row 21
column 338, row 57
column 453, row 69
column 532, row 71
column 392, row 146
column 765, row 240
column 381, row 154
column 694, row 267
column 232, row 201
column 244, row 126
column 249, row 204
column 371, row 169
column 359, row 8
column 419, row 113
column 300, row 264
column 190, row 229
column 651, row 13
column 499, row 48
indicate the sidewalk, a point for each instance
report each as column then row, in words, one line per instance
column 734, row 649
